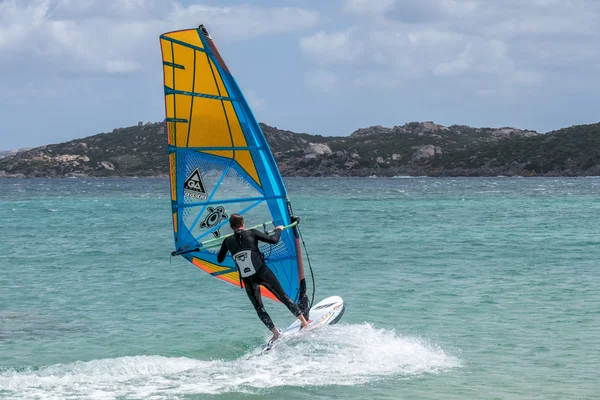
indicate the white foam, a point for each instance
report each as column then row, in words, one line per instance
column 336, row 355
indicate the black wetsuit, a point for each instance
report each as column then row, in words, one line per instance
column 243, row 246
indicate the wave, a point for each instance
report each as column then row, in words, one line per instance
column 337, row 355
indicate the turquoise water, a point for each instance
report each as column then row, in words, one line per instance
column 455, row 289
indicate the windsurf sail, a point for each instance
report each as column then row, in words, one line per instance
column 220, row 164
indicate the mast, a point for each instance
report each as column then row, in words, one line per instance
column 302, row 296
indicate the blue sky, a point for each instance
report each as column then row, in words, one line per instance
column 73, row 68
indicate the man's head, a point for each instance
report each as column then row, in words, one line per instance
column 236, row 221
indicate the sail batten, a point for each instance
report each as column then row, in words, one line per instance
column 214, row 148
column 220, row 162
column 169, row 90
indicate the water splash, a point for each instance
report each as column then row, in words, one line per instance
column 338, row 355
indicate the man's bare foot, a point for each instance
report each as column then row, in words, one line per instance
column 276, row 335
column 303, row 321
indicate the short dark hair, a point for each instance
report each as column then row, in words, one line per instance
column 236, row 221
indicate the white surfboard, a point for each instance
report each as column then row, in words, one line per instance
column 326, row 312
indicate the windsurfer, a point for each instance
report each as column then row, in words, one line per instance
column 243, row 246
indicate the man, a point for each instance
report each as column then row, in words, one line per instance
column 243, row 246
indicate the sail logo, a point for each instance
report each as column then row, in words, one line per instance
column 194, row 186
column 213, row 219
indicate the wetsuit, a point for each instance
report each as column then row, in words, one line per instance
column 243, row 246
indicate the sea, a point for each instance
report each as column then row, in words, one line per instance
column 455, row 288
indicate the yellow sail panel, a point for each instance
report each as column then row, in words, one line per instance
column 232, row 277
column 170, row 105
column 219, row 80
column 175, row 222
column 171, row 132
column 220, row 153
column 184, row 70
column 173, row 171
column 204, row 81
column 167, row 51
column 167, row 55
column 181, row 134
column 244, row 158
column 168, row 74
column 182, row 114
column 208, row 266
column 214, row 122
column 210, row 128
column 170, row 112
column 234, row 125
column 188, row 36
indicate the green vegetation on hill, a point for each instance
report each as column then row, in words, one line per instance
column 569, row 151
column 133, row 151
column 416, row 148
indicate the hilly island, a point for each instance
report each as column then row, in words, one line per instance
column 415, row 149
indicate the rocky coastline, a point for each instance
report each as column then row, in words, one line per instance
column 412, row 149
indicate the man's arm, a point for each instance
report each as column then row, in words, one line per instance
column 271, row 239
column 222, row 253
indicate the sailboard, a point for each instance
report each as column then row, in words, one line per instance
column 326, row 312
column 220, row 164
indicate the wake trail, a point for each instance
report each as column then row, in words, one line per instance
column 335, row 355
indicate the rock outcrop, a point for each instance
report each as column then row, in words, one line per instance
column 426, row 152
column 316, row 149
column 107, row 165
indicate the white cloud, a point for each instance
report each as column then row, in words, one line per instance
column 378, row 82
column 462, row 64
column 459, row 8
column 539, row 25
column 119, row 37
column 385, row 48
column 321, row 80
column 413, row 10
column 362, row 7
column 120, row 66
column 493, row 46
column 244, row 21
column 114, row 10
column 433, row 37
column 92, row 45
column 16, row 22
column 337, row 47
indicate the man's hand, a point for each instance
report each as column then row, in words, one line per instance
column 280, row 227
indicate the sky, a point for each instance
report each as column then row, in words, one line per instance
column 74, row 68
